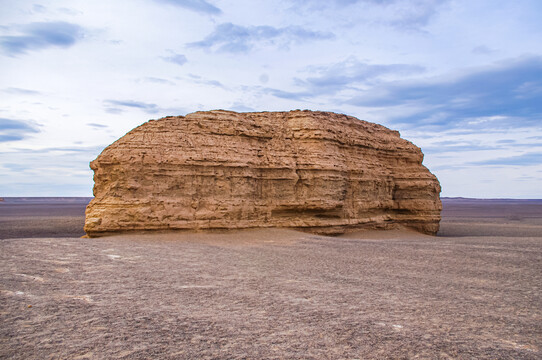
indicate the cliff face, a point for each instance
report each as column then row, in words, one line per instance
column 317, row 171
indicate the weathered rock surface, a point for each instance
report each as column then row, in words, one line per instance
column 317, row 171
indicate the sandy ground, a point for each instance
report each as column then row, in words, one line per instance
column 42, row 217
column 472, row 292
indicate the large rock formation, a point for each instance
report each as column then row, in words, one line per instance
column 317, row 171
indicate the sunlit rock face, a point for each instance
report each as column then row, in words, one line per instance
column 316, row 171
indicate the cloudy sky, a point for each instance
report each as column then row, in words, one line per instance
column 462, row 79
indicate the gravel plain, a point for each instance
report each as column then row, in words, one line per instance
column 473, row 292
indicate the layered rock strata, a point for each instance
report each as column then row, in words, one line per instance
column 316, row 171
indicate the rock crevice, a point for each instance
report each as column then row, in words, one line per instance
column 315, row 171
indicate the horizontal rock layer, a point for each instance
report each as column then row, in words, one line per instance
column 318, row 171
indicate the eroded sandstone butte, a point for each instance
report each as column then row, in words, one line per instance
column 315, row 171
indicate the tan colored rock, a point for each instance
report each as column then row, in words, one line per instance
column 315, row 171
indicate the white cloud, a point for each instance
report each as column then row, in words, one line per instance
column 87, row 72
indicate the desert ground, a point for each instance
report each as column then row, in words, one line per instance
column 472, row 292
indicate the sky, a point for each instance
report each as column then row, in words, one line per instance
column 461, row 79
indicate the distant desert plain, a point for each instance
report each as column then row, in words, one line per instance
column 472, row 291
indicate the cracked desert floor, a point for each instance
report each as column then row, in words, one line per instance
column 474, row 291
